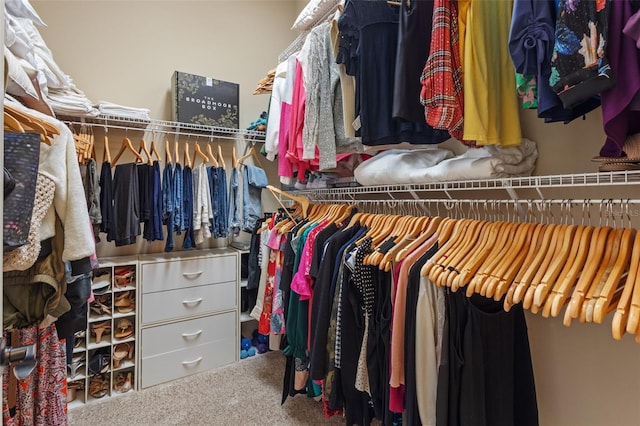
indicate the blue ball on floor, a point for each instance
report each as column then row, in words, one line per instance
column 251, row 351
column 245, row 343
column 263, row 338
column 243, row 354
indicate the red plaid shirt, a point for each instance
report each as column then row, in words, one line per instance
column 441, row 79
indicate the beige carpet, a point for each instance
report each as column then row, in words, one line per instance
column 245, row 393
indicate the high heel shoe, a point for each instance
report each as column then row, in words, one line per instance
column 125, row 302
column 100, row 305
column 122, row 351
column 122, row 383
column 100, row 328
column 124, row 276
column 124, row 328
column 75, row 365
column 72, row 390
column 98, row 387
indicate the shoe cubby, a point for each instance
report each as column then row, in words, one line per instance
column 104, row 354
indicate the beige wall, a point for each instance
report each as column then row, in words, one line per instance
column 125, row 52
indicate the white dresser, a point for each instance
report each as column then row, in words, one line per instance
column 188, row 313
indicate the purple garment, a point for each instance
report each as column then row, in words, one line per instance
column 620, row 114
column 632, row 28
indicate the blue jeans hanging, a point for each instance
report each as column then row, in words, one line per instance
column 254, row 180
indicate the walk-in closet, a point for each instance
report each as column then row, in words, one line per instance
column 307, row 212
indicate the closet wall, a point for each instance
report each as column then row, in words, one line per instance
column 125, row 52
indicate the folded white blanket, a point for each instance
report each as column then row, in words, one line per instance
column 110, row 108
column 434, row 165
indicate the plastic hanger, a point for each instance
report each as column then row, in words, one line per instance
column 126, row 145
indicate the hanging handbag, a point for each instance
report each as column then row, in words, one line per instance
column 21, row 158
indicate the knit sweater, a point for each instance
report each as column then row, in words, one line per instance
column 58, row 162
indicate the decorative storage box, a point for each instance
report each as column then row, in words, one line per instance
column 204, row 100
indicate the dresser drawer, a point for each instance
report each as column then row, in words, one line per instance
column 174, row 365
column 188, row 301
column 169, row 275
column 186, row 334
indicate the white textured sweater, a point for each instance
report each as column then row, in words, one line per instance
column 59, row 163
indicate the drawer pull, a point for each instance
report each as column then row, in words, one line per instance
column 192, row 274
column 194, row 334
column 192, row 302
column 195, row 361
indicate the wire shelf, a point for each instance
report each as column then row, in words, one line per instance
column 163, row 126
column 580, row 180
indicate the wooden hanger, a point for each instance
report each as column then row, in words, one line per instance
column 211, row 156
column 512, row 264
column 566, row 281
column 447, row 224
column 435, row 267
column 234, row 160
column 622, row 317
column 490, row 236
column 187, row 157
column 499, row 252
column 18, row 119
column 602, row 305
column 543, row 298
column 454, row 263
column 594, row 260
column 555, row 246
column 167, row 152
column 533, row 267
column 221, row 158
column 143, row 148
column 541, row 290
column 250, row 153
column 197, row 152
column 614, row 249
column 531, row 251
column 154, row 152
column 502, row 260
column 126, row 145
column 106, row 154
column 175, row 148
column 480, row 254
column 302, row 201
